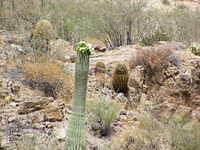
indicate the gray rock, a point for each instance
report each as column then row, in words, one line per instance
column 29, row 107
column 13, row 104
column 121, row 97
column 18, row 48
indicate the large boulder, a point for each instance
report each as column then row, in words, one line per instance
column 98, row 45
column 29, row 107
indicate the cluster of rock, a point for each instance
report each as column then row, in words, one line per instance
column 24, row 112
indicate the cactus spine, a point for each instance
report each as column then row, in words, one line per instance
column 120, row 79
column 76, row 129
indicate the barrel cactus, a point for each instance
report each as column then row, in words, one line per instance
column 195, row 48
column 100, row 75
column 42, row 34
column 99, row 65
column 120, row 79
column 76, row 129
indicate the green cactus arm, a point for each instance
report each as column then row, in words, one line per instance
column 76, row 130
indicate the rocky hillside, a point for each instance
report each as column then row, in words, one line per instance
column 35, row 98
column 143, row 90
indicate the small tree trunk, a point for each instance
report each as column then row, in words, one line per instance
column 129, row 34
column 42, row 4
column 13, row 4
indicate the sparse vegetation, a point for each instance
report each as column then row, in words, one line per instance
column 115, row 23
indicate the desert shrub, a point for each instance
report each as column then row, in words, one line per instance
column 195, row 48
column 47, row 76
column 124, row 26
column 103, row 112
column 186, row 22
column 154, row 61
column 158, row 35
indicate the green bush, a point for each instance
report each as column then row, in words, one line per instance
column 103, row 112
column 195, row 48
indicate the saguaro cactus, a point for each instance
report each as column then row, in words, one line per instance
column 76, row 129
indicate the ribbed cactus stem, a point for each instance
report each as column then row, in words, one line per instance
column 76, row 130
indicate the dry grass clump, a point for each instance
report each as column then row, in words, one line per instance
column 47, row 76
column 43, row 71
column 153, row 60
